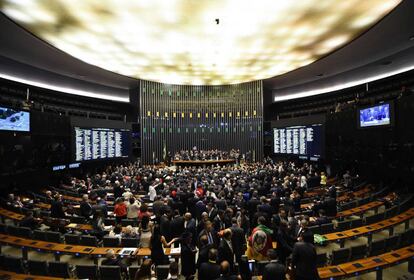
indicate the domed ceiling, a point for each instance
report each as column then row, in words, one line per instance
column 197, row 42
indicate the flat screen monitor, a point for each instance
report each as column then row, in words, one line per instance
column 14, row 120
column 378, row 115
column 303, row 141
column 101, row 143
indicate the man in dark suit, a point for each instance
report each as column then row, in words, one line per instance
column 304, row 258
column 284, row 242
column 226, row 272
column 219, row 223
column 209, row 270
column 86, row 209
column 165, row 226
column 56, row 209
column 204, row 250
column 211, row 211
column 177, row 225
column 210, row 233
column 274, row 270
column 190, row 225
column 29, row 221
column 225, row 249
column 238, row 240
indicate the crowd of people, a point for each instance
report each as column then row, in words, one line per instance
column 216, row 215
column 196, row 154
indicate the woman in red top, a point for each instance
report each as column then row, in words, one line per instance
column 120, row 210
column 143, row 211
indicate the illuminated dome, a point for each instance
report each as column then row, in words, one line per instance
column 197, row 42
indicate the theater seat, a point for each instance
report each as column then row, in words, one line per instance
column 110, row 241
column 72, row 239
column 321, row 259
column 392, row 243
column 89, row 240
column 358, row 252
column 357, row 223
column 340, row 256
column 37, row 267
column 129, row 242
column 59, row 269
column 14, row 264
column 132, row 270
column 344, row 225
column 39, row 235
column 377, row 247
column 3, row 229
column 110, row 272
column 87, row 271
column 53, row 236
column 162, row 272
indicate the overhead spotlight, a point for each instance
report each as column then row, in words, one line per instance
column 217, row 21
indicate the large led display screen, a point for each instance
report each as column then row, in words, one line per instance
column 379, row 115
column 101, row 143
column 14, row 120
column 304, row 141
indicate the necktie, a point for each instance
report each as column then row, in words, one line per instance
column 210, row 238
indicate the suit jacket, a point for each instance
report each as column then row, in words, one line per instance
column 304, row 261
column 177, row 226
column 213, row 235
column 191, row 227
column 238, row 241
column 225, row 253
column 86, row 209
column 203, row 255
column 208, row 271
column 219, row 224
column 274, row 271
column 284, row 244
column 56, row 210
column 165, row 227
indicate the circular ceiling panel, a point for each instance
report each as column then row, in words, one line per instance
column 197, row 42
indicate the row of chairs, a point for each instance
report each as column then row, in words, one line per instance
column 377, row 247
column 345, row 225
column 72, row 239
column 64, row 270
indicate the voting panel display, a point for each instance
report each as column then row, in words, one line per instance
column 101, row 143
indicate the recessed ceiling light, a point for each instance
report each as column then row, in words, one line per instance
column 320, row 75
column 387, row 62
column 412, row 38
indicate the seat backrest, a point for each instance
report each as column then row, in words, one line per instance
column 88, row 271
column 59, row 269
column 406, row 237
column 129, row 222
column 344, row 225
column 260, row 265
column 129, row 242
column 132, row 270
column 393, row 211
column 392, row 243
column 327, row 228
column 110, row 222
column 321, row 259
column 110, row 272
column 3, row 228
column 72, row 239
column 14, row 264
column 315, row 229
column 24, row 232
column 357, row 223
column 89, row 240
column 37, row 267
column 39, row 235
column 340, row 256
column 358, row 252
column 110, row 241
column 377, row 247
column 162, row 271
column 53, row 236
column 13, row 230
column 77, row 220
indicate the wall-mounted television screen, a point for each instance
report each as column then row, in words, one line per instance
column 14, row 120
column 378, row 115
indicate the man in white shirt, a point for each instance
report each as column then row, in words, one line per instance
column 152, row 193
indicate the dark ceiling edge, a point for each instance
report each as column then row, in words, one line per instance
column 31, row 73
